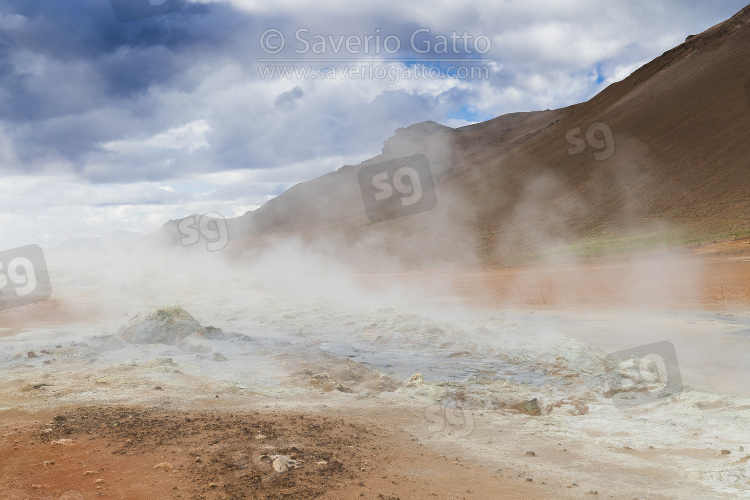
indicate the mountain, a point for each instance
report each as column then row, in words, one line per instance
column 660, row 158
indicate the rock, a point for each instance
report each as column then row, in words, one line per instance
column 530, row 454
column 164, row 465
column 211, row 332
column 219, row 357
column 282, row 463
column 530, row 407
column 725, row 452
column 327, row 383
column 415, row 380
column 31, row 354
column 165, row 325
column 64, row 442
column 98, row 480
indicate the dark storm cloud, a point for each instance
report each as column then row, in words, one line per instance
column 73, row 77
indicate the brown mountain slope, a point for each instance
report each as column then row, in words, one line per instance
column 675, row 170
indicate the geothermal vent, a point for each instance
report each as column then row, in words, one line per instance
column 164, row 325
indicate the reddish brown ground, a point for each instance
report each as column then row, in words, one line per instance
column 712, row 277
column 366, row 455
column 139, row 453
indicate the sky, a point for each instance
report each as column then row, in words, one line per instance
column 119, row 115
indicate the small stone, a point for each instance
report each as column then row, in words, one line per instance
column 64, row 442
column 213, row 485
column 725, row 452
column 60, row 418
column 219, row 357
column 47, row 463
column 88, row 473
column 164, row 465
column 530, row 454
column 282, row 463
column 530, row 407
column 31, row 354
column 158, row 388
column 415, row 380
column 99, row 480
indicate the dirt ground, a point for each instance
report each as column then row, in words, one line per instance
column 134, row 452
column 701, row 277
column 215, row 452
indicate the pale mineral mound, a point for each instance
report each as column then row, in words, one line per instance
column 164, row 325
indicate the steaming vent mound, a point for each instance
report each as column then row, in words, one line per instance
column 163, row 325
